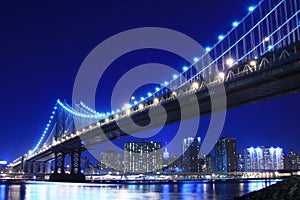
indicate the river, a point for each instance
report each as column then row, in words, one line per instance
column 35, row 190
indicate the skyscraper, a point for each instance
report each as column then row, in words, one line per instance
column 191, row 158
column 225, row 153
column 263, row 159
column 142, row 156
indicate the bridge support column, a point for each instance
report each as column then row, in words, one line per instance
column 59, row 168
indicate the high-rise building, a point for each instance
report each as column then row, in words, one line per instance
column 209, row 163
column 166, row 154
column 291, row 160
column 263, row 159
column 240, row 162
column 111, row 160
column 191, row 158
column 142, row 156
column 225, row 153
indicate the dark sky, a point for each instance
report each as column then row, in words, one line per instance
column 42, row 45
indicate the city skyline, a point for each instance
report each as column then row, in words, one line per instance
column 224, row 159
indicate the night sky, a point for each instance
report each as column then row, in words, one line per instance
column 42, row 45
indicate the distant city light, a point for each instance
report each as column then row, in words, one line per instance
column 3, row 162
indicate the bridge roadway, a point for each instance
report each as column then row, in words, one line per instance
column 274, row 74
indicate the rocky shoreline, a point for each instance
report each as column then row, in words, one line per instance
column 288, row 189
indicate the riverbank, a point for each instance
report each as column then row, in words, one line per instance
column 288, row 189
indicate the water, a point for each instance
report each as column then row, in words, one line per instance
column 80, row 191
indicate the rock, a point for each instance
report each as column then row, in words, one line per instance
column 289, row 189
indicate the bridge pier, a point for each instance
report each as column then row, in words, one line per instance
column 74, row 175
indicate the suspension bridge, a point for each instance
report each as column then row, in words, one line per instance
column 257, row 59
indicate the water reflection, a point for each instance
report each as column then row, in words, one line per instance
column 78, row 191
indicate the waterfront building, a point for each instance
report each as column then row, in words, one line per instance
column 263, row 159
column 111, row 160
column 209, row 163
column 225, row 153
column 191, row 158
column 142, row 157
column 240, row 162
column 291, row 160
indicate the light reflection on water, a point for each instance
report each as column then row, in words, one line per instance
column 79, row 191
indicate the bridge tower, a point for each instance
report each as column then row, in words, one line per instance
column 63, row 128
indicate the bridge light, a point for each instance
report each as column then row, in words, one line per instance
column 132, row 98
column 252, row 63
column 185, row 68
column 174, row 94
column 196, row 59
column 270, row 47
column 156, row 100
column 127, row 105
column 106, row 120
column 166, row 83
column 195, row 86
column 30, row 152
column 229, row 62
column 175, row 76
column 116, row 116
column 266, row 39
column 251, row 8
column 135, row 102
column 141, row 106
column 221, row 37
column 142, row 98
column 221, row 75
column 235, row 24
column 149, row 94
column 157, row 89
column 208, row 49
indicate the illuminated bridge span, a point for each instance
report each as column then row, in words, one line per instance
column 258, row 59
